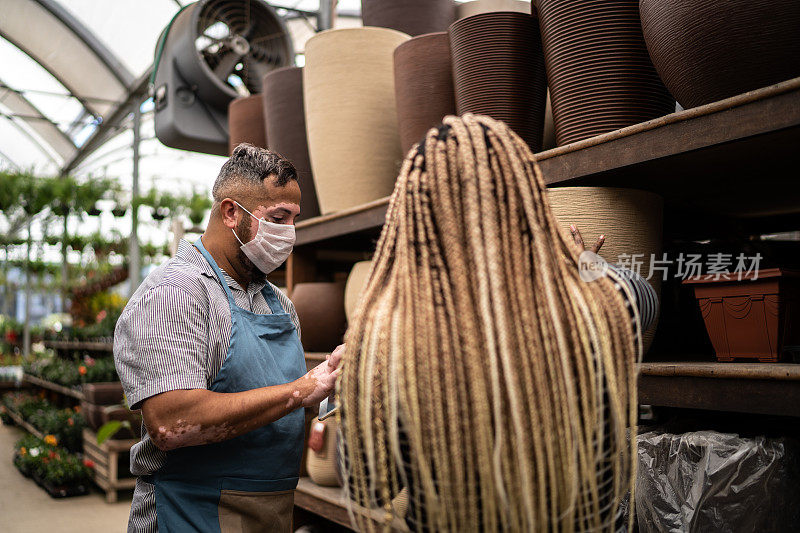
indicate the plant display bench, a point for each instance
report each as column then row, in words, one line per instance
column 106, row 458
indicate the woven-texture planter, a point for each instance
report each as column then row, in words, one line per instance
column 708, row 51
column 631, row 220
column 414, row 17
column 322, row 465
column 320, row 309
column 285, row 123
column 476, row 7
column 351, row 115
column 498, row 70
column 598, row 70
column 246, row 122
column 356, row 283
column 752, row 318
column 423, row 78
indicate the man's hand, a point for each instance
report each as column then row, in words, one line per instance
column 323, row 378
column 576, row 235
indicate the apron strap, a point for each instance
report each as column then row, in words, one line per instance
column 271, row 296
column 199, row 245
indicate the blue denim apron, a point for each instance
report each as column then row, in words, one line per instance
column 245, row 483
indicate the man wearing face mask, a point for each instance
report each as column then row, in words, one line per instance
column 210, row 351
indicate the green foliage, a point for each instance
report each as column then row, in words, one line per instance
column 70, row 373
column 66, row 425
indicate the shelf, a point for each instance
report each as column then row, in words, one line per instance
column 23, row 424
column 760, row 388
column 705, row 161
column 80, row 345
column 329, row 502
column 66, row 391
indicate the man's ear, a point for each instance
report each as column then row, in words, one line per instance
column 227, row 211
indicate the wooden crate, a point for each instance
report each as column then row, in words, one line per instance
column 106, row 463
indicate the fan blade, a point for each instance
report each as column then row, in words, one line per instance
column 226, row 65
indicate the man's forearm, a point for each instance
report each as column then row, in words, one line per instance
column 181, row 418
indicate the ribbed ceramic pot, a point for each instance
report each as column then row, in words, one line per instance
column 351, row 115
column 423, row 81
column 356, row 283
column 631, row 220
column 498, row 70
column 476, row 7
column 708, row 51
column 246, row 122
column 320, row 309
column 598, row 70
column 285, row 126
column 414, row 17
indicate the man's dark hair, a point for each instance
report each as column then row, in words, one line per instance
column 249, row 165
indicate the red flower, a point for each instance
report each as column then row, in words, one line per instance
column 101, row 315
column 82, row 370
column 52, row 454
column 88, row 463
column 89, row 361
column 70, row 422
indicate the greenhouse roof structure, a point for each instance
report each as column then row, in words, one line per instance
column 71, row 72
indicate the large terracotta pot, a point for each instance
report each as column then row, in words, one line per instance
column 631, row 220
column 423, row 78
column 320, row 309
column 246, row 122
column 498, row 70
column 476, row 7
column 598, row 69
column 414, row 17
column 708, row 51
column 356, row 283
column 285, row 126
column 351, row 115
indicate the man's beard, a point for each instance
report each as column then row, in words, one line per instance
column 254, row 275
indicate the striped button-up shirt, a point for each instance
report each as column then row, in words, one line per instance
column 174, row 334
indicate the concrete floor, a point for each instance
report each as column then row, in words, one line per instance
column 25, row 508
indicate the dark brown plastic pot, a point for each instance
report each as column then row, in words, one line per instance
column 93, row 414
column 498, row 70
column 320, row 308
column 246, row 122
column 708, row 51
column 423, row 82
column 103, row 393
column 285, row 127
column 751, row 318
column 598, row 70
column 414, row 17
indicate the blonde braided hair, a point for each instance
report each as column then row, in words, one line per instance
column 480, row 371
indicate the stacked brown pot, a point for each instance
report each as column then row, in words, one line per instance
column 285, row 126
column 320, row 309
column 414, row 17
column 246, row 122
column 476, row 7
column 708, row 51
column 598, row 69
column 423, row 83
column 498, row 70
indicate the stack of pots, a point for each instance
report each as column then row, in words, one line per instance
column 285, row 127
column 598, row 68
column 498, row 70
column 102, row 402
column 246, row 122
column 423, row 85
column 413, row 17
column 476, row 7
column 708, row 51
column 351, row 115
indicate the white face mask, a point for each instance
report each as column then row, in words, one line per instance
column 271, row 246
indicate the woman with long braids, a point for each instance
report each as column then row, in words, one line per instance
column 481, row 372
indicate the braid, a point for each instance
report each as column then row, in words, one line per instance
column 481, row 372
